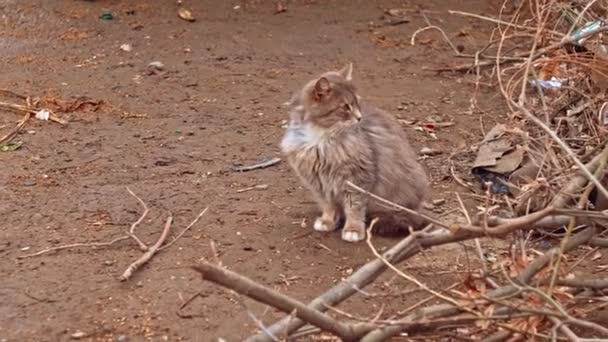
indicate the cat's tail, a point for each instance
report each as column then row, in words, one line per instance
column 396, row 223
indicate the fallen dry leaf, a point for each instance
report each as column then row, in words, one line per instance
column 548, row 70
column 79, row 104
column 74, row 35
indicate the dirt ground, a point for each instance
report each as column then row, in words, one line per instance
column 172, row 135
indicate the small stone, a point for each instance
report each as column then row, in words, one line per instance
column 29, row 182
column 139, row 284
column 126, row 47
column 439, row 201
column 122, row 338
column 157, row 65
column 427, row 151
column 108, row 263
column 78, row 335
column 36, row 217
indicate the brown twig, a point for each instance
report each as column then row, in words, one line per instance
column 397, row 206
column 596, row 284
column 186, row 303
column 74, row 245
column 131, row 232
column 402, row 274
column 10, row 135
column 500, row 22
column 261, row 165
column 247, row 287
column 185, row 230
column 149, row 253
column 561, row 326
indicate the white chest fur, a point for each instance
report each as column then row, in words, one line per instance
column 300, row 136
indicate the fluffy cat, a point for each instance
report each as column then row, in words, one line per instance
column 333, row 137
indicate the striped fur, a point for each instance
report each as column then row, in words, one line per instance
column 332, row 138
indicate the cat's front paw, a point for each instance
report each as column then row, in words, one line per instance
column 353, row 234
column 324, row 225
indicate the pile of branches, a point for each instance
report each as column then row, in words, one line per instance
column 549, row 61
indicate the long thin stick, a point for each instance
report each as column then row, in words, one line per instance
column 74, row 245
column 131, row 231
column 261, row 165
column 397, row 206
column 502, row 22
column 402, row 274
column 149, row 253
column 185, row 230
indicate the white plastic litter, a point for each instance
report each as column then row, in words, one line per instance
column 552, row 83
column 43, row 115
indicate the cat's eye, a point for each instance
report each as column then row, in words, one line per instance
column 346, row 107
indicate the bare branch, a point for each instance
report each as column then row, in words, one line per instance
column 248, row 287
column 149, row 253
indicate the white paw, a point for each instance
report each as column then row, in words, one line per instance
column 321, row 226
column 352, row 235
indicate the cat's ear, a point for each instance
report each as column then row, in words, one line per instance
column 322, row 89
column 347, row 72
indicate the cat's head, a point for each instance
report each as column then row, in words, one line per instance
column 328, row 101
